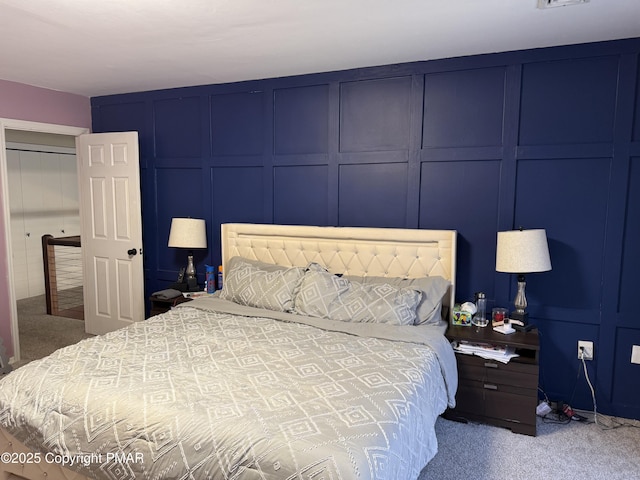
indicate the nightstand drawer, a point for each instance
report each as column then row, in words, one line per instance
column 510, row 407
column 470, row 370
column 512, row 373
column 502, row 402
column 469, row 398
column 515, row 379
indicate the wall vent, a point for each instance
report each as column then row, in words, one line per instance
column 559, row 3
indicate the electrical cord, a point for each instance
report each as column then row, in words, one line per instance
column 604, row 422
column 575, row 385
column 613, row 421
column 545, row 395
column 593, row 393
column 599, row 419
column 554, row 417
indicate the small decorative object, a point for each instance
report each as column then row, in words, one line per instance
column 461, row 317
column 210, row 279
column 220, row 277
column 499, row 315
column 504, row 327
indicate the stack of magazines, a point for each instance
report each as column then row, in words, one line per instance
column 500, row 353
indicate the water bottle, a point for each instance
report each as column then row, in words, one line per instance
column 210, row 279
column 480, row 318
column 219, row 277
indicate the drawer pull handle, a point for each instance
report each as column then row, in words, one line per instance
column 491, row 365
column 488, row 386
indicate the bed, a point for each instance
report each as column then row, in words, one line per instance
column 323, row 357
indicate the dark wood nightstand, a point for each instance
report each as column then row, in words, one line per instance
column 496, row 393
column 161, row 305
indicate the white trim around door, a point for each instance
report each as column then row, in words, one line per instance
column 11, row 124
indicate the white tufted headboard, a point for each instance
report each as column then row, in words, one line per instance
column 383, row 252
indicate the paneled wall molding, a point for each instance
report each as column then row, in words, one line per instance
column 580, row 150
column 544, row 138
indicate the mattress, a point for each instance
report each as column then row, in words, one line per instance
column 217, row 390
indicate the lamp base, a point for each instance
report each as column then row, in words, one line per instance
column 522, row 317
column 192, row 285
column 520, row 321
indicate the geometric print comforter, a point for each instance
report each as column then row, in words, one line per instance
column 204, row 394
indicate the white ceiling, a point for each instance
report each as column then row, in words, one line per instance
column 100, row 47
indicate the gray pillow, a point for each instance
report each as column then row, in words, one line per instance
column 325, row 295
column 261, row 285
column 433, row 291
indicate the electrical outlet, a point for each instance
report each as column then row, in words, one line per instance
column 587, row 353
column 635, row 354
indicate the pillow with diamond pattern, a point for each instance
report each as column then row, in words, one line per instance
column 433, row 289
column 325, row 295
column 261, row 285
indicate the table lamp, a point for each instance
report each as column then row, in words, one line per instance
column 522, row 251
column 188, row 233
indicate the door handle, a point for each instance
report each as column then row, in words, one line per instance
column 131, row 252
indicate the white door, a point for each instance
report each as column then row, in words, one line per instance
column 111, row 225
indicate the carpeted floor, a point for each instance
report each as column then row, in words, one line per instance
column 42, row 334
column 573, row 451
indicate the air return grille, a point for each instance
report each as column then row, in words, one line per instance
column 559, row 3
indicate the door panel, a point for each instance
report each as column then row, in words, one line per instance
column 102, row 294
column 121, row 188
column 125, row 299
column 98, row 206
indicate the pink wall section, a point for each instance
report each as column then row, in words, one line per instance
column 34, row 104
column 24, row 102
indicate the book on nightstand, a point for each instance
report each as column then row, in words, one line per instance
column 500, row 353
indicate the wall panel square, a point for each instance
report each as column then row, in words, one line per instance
column 178, row 126
column 568, row 101
column 463, row 196
column 375, row 115
column 559, row 363
column 631, row 244
column 463, row 108
column 301, row 120
column 237, row 123
column 636, row 116
column 127, row 117
column 373, row 195
column 237, row 195
column 626, row 391
column 300, row 195
column 568, row 198
column 178, row 194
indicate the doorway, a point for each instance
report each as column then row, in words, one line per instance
column 43, row 197
column 19, row 126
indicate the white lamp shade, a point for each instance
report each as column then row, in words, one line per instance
column 522, row 251
column 188, row 233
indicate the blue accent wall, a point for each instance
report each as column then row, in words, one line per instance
column 546, row 138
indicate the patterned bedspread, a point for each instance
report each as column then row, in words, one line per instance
column 211, row 395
